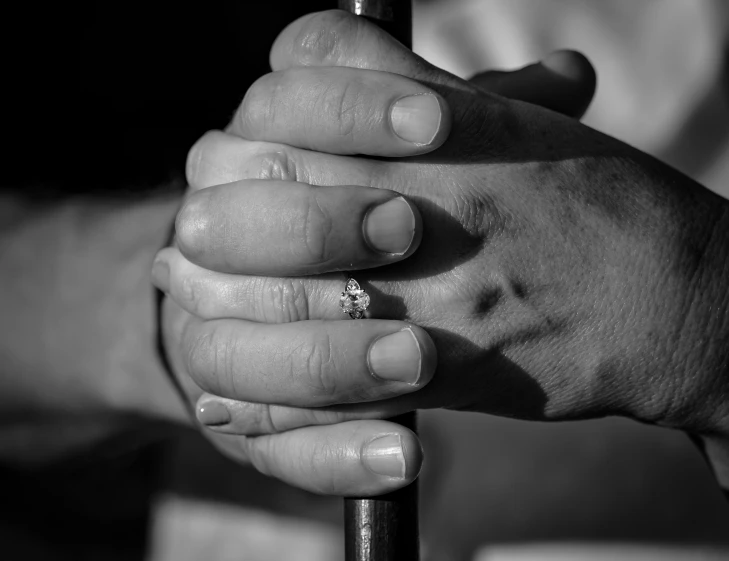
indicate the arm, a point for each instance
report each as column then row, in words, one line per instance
column 78, row 324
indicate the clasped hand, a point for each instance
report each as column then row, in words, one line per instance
column 519, row 263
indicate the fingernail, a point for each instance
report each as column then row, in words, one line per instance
column 416, row 118
column 213, row 413
column 384, row 456
column 396, row 357
column 161, row 275
column 390, row 227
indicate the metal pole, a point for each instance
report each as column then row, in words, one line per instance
column 394, row 16
column 384, row 528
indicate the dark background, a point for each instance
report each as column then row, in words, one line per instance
column 128, row 87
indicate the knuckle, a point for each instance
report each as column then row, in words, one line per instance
column 287, row 300
column 342, row 102
column 266, row 420
column 322, row 416
column 316, row 228
column 194, row 297
column 483, row 218
column 210, row 357
column 197, row 351
column 276, row 163
column 313, row 360
column 321, row 38
column 188, row 294
column 327, row 453
column 224, row 355
column 214, row 160
column 258, row 420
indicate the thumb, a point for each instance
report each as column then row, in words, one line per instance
column 564, row 82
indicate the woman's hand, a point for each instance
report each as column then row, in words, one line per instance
column 560, row 273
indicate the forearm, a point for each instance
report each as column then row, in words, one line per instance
column 78, row 328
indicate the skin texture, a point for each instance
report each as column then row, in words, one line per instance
column 561, row 274
column 80, row 364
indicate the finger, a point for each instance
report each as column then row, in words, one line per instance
column 360, row 458
column 212, row 295
column 247, row 418
column 218, row 158
column 565, row 82
column 339, row 38
column 344, row 111
column 308, row 363
column 253, row 419
column 289, row 228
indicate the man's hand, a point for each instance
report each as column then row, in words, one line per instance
column 560, row 273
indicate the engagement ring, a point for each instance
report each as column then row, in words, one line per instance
column 354, row 301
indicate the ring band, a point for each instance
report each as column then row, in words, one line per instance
column 354, row 301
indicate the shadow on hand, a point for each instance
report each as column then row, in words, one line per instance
column 488, row 129
column 446, row 243
column 472, row 378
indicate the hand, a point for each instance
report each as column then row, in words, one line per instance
column 560, row 273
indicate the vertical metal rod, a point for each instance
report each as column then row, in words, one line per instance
column 394, row 16
column 384, row 528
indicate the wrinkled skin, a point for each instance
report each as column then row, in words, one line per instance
column 559, row 273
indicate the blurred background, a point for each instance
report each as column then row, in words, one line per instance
column 492, row 489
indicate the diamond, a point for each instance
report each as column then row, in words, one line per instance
column 354, row 301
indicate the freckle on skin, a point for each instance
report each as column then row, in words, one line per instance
column 487, row 301
column 519, row 289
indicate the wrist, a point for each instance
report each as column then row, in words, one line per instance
column 705, row 334
column 716, row 333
